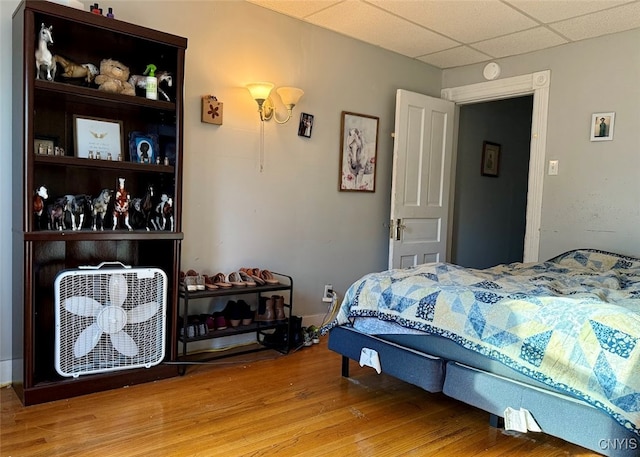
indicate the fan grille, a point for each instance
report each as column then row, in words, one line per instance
column 144, row 285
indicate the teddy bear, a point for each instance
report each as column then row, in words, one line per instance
column 114, row 77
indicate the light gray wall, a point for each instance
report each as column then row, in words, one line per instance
column 593, row 201
column 489, row 212
column 290, row 217
column 6, row 10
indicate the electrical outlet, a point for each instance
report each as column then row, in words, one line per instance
column 327, row 297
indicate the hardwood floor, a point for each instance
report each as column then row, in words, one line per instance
column 264, row 404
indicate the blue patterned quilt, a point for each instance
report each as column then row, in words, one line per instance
column 572, row 322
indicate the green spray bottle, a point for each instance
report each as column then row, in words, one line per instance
column 152, row 82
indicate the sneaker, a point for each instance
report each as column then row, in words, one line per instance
column 190, row 283
column 307, row 338
column 314, row 332
column 220, row 321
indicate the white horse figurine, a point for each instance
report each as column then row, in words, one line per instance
column 164, row 77
column 44, row 58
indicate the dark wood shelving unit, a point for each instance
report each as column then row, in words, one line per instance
column 46, row 109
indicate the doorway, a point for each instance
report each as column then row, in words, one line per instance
column 489, row 214
column 533, row 83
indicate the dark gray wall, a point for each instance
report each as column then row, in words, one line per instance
column 490, row 212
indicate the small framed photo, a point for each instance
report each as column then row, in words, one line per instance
column 44, row 145
column 358, row 152
column 97, row 138
column 306, row 125
column 490, row 159
column 143, row 147
column 602, row 126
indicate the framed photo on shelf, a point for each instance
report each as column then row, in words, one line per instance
column 490, row 159
column 143, row 147
column 44, row 145
column 358, row 152
column 306, row 124
column 602, row 126
column 97, row 138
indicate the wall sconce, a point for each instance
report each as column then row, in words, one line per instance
column 260, row 93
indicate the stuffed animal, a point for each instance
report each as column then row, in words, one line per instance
column 114, row 77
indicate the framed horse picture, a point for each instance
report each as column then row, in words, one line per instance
column 358, row 152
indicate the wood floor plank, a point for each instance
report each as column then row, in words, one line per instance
column 264, row 404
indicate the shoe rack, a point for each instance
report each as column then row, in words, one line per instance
column 262, row 329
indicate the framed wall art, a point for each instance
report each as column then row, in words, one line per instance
column 97, row 138
column 490, row 159
column 602, row 126
column 358, row 152
column 143, row 147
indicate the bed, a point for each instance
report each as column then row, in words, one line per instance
column 556, row 340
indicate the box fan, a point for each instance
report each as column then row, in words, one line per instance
column 109, row 317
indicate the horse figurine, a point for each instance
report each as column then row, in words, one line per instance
column 100, row 204
column 164, row 77
column 39, row 196
column 121, row 205
column 88, row 71
column 79, row 206
column 144, row 207
column 164, row 212
column 56, row 212
column 44, row 58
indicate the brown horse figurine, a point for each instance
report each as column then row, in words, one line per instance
column 121, row 205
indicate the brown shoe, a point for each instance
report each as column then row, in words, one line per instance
column 278, row 304
column 265, row 310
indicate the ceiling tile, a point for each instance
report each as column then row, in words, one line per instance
column 465, row 21
column 297, row 9
column 456, row 57
column 557, row 10
column 618, row 19
column 372, row 25
column 448, row 33
column 520, row 42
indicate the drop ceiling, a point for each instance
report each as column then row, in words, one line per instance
column 452, row 33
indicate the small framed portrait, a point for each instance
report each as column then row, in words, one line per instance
column 490, row 159
column 602, row 126
column 143, row 147
column 306, row 125
column 44, row 145
column 358, row 152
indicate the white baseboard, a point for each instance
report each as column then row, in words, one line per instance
column 5, row 372
column 314, row 319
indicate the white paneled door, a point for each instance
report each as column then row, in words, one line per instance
column 421, row 180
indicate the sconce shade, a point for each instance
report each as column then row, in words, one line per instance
column 290, row 95
column 260, row 90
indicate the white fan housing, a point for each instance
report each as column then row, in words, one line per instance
column 109, row 319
